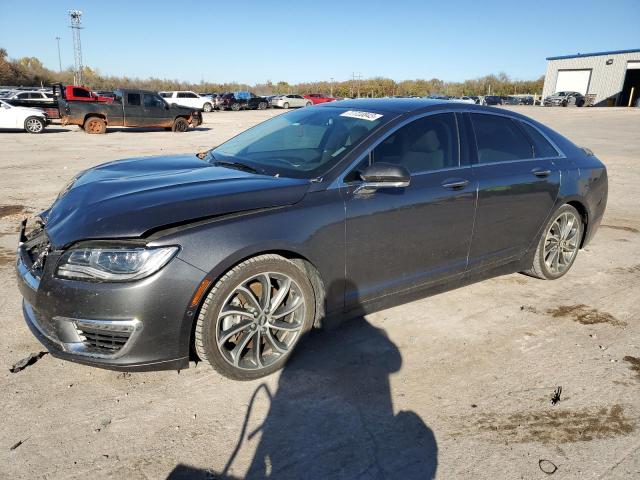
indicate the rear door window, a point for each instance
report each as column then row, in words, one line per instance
column 499, row 139
column 133, row 98
column 541, row 146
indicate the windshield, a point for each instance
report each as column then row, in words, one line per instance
column 300, row 144
column 4, row 104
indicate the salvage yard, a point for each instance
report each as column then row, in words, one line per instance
column 460, row 383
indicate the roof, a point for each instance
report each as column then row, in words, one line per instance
column 393, row 105
column 595, row 54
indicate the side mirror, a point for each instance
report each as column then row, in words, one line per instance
column 384, row 175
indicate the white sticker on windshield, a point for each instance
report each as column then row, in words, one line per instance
column 362, row 115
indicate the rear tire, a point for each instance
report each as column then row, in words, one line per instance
column 180, row 125
column 285, row 105
column 235, row 107
column 95, row 126
column 558, row 245
column 34, row 125
column 275, row 322
column 308, row 104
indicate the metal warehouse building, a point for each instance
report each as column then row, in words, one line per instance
column 605, row 78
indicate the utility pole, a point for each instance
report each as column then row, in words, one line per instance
column 76, row 19
column 331, row 94
column 355, row 77
column 59, row 57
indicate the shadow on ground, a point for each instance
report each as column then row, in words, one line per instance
column 332, row 416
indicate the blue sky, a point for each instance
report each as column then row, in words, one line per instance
column 254, row 41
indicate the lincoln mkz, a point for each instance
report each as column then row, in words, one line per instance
column 232, row 255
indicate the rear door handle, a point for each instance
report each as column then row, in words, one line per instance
column 541, row 173
column 455, row 184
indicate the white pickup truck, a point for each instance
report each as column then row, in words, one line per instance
column 189, row 99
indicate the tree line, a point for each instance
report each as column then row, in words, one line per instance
column 29, row 71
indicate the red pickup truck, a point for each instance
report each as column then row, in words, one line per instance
column 77, row 93
column 319, row 98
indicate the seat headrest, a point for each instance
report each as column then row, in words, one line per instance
column 428, row 142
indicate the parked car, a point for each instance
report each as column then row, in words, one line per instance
column 512, row 101
column 290, row 101
column 493, row 100
column 26, row 98
column 312, row 215
column 242, row 101
column 130, row 108
column 188, row 99
column 564, row 99
column 34, row 99
column 477, row 100
column 316, row 98
column 106, row 93
column 526, row 100
column 31, row 120
column 464, row 100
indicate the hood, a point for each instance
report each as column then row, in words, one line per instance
column 29, row 110
column 126, row 198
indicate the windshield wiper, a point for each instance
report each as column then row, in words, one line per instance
column 237, row 165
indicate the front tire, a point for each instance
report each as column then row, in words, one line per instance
column 559, row 244
column 180, row 125
column 254, row 316
column 207, row 107
column 235, row 107
column 34, row 125
column 262, row 106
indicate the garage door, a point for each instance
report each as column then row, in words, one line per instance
column 573, row 81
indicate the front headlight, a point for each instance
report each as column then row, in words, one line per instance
column 113, row 264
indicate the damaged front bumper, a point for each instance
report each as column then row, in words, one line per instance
column 136, row 326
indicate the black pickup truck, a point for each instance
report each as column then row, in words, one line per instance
column 130, row 108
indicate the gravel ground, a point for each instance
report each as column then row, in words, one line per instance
column 459, row 383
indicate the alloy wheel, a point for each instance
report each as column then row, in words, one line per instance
column 561, row 243
column 260, row 321
column 34, row 125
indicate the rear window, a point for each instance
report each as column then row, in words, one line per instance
column 541, row 146
column 81, row 93
column 133, row 98
column 499, row 139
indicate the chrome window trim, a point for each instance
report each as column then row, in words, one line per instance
column 339, row 182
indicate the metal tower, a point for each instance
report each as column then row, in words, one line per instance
column 76, row 18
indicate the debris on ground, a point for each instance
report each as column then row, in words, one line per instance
column 635, row 364
column 25, row 362
column 547, row 466
column 556, row 396
column 17, row 444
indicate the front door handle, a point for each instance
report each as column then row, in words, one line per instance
column 455, row 184
column 541, row 173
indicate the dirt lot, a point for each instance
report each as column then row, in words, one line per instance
column 460, row 382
